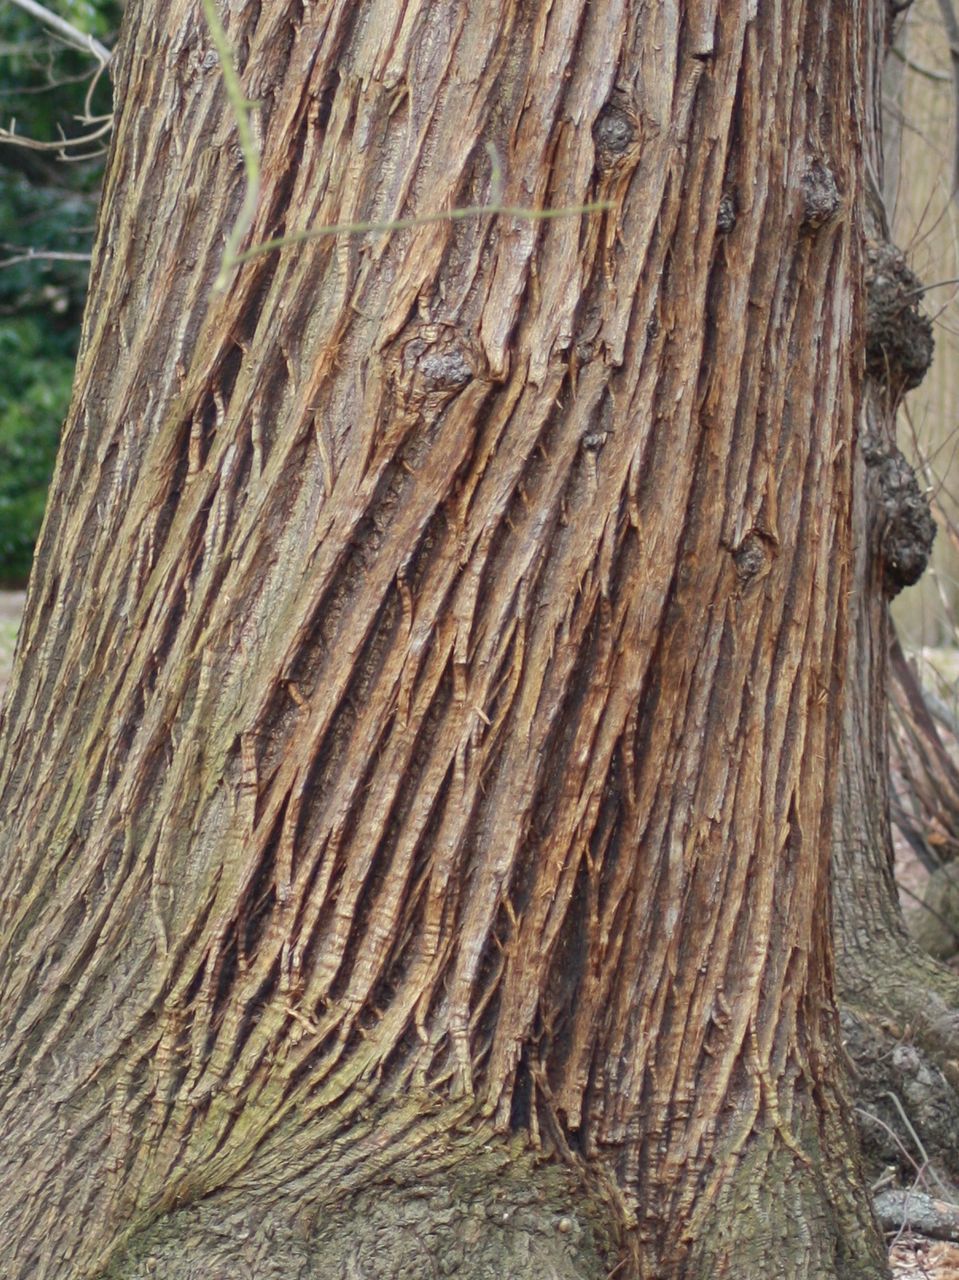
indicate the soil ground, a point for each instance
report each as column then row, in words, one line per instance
column 916, row 1258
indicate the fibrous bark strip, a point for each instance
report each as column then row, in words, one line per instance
column 428, row 684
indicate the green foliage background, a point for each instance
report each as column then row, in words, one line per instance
column 46, row 204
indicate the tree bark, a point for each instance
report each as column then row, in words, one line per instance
column 415, row 779
column 900, row 1008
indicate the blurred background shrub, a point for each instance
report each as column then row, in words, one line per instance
column 48, row 200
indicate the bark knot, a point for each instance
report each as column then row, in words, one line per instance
column 753, row 555
column 899, row 341
column 908, row 529
column 616, row 134
column 431, row 364
column 726, row 214
column 820, row 196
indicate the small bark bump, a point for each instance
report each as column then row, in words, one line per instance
column 820, row 196
column 726, row 214
column 446, row 370
column 433, row 362
column 752, row 555
column 616, row 134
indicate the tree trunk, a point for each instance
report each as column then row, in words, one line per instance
column 900, row 1008
column 415, row 780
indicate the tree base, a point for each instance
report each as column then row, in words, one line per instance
column 526, row 1221
column 900, row 1027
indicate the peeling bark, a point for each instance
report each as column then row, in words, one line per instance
column 416, row 772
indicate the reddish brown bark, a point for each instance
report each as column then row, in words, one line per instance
column 415, row 780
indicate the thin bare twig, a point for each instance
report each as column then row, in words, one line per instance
column 890, row 1131
column 88, row 117
column 250, row 151
column 927, row 1163
column 938, row 76
column 241, row 108
column 36, row 255
column 65, row 144
column 458, row 214
column 924, row 288
column 937, row 915
column 951, row 24
column 66, row 30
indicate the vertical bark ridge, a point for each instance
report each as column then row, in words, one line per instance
column 495, row 771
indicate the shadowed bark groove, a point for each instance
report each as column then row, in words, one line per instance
column 415, row 772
